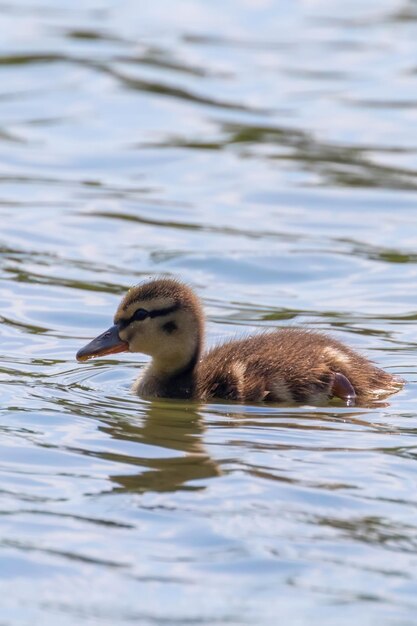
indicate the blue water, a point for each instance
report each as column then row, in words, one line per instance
column 265, row 153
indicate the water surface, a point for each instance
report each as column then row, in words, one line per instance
column 266, row 154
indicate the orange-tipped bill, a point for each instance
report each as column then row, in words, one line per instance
column 108, row 342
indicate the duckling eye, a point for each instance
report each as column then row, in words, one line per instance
column 140, row 315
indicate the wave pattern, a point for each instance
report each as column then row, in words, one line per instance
column 265, row 153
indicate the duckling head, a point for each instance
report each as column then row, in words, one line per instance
column 162, row 318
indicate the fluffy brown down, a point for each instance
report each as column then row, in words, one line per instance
column 296, row 362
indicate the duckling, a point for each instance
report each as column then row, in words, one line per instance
column 164, row 319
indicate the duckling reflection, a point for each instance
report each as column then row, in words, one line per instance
column 174, row 433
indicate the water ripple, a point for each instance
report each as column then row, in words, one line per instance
column 265, row 155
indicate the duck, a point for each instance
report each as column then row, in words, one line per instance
column 164, row 318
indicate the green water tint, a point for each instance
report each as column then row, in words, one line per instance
column 265, row 155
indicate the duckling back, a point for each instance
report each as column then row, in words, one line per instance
column 290, row 366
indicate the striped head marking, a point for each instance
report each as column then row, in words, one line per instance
column 161, row 318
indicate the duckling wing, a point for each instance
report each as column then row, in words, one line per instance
column 276, row 366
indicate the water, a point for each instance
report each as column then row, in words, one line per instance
column 265, row 153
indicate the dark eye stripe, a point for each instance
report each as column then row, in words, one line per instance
column 169, row 309
column 142, row 314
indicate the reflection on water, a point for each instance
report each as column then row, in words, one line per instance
column 175, row 428
column 266, row 155
column 335, row 165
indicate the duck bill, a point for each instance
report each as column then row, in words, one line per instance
column 108, row 342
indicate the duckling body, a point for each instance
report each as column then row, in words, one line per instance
column 290, row 365
column 164, row 318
